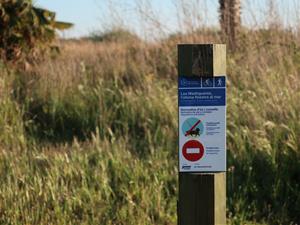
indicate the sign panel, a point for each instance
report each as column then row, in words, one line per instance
column 202, row 124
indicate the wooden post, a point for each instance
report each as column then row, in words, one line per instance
column 202, row 196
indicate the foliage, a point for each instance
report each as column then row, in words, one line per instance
column 24, row 29
column 100, row 143
column 115, row 35
column 12, row 135
column 230, row 20
column 94, row 184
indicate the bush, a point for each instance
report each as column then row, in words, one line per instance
column 25, row 29
column 115, row 35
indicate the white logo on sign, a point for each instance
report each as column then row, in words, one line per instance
column 219, row 83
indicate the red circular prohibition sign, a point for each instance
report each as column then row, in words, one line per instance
column 193, row 150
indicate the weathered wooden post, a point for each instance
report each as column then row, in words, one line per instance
column 202, row 134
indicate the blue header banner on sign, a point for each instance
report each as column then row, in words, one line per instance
column 202, row 91
column 196, row 82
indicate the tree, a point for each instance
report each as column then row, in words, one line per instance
column 26, row 29
column 230, row 20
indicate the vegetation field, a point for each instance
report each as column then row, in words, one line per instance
column 90, row 136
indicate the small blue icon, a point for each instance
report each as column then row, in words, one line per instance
column 207, row 82
column 220, row 82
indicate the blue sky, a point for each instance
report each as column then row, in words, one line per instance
column 94, row 15
column 85, row 14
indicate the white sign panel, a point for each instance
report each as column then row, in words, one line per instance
column 202, row 124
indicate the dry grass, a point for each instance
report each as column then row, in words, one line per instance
column 90, row 136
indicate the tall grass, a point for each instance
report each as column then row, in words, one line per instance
column 263, row 131
column 90, row 137
column 96, row 183
column 12, row 135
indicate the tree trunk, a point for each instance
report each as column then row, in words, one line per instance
column 230, row 20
